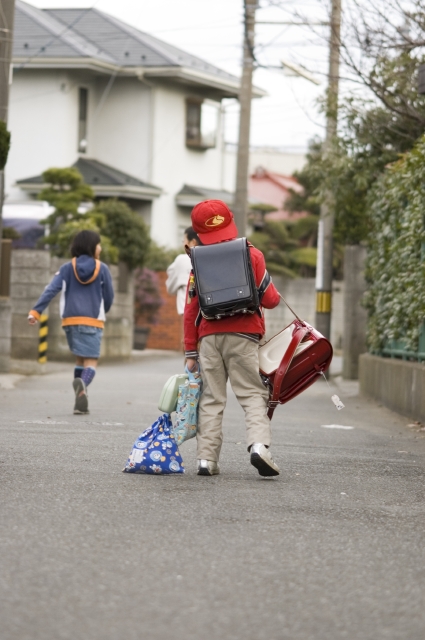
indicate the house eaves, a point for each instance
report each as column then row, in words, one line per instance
column 183, row 76
column 101, row 191
column 192, row 77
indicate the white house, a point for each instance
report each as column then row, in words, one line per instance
column 139, row 117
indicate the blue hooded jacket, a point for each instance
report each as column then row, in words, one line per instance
column 86, row 292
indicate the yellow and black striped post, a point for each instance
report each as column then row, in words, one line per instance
column 42, row 339
column 323, row 301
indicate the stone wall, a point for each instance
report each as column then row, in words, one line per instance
column 397, row 384
column 31, row 272
column 300, row 294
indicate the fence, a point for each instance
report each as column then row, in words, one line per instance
column 397, row 349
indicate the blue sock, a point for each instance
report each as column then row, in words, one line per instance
column 78, row 371
column 88, row 375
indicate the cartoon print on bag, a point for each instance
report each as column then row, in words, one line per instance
column 157, row 448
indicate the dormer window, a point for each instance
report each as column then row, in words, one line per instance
column 201, row 123
column 83, row 99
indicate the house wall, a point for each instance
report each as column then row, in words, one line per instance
column 43, row 120
column 121, row 132
column 271, row 159
column 133, row 126
column 173, row 164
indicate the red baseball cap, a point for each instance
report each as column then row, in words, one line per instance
column 213, row 222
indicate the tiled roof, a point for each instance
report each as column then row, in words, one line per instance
column 104, row 179
column 189, row 195
column 77, row 35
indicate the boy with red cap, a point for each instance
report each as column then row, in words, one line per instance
column 229, row 349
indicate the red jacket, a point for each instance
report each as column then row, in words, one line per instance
column 240, row 323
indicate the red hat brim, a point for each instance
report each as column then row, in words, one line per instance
column 220, row 235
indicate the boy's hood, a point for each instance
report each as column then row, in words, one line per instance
column 85, row 268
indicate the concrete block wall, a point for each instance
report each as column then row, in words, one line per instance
column 355, row 315
column 397, row 384
column 5, row 333
column 31, row 272
column 300, row 294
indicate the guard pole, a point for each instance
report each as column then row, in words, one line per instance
column 42, row 339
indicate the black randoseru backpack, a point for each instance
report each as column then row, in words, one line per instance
column 224, row 279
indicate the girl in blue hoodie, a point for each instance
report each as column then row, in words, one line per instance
column 87, row 294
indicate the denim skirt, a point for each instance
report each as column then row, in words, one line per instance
column 84, row 341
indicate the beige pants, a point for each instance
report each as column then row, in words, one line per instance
column 223, row 356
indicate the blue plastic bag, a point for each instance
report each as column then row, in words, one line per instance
column 187, row 408
column 155, row 450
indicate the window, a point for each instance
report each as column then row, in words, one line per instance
column 201, row 124
column 83, row 99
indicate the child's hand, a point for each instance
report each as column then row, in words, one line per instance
column 32, row 320
column 191, row 364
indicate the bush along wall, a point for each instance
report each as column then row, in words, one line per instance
column 395, row 268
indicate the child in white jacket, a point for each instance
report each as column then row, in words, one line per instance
column 178, row 272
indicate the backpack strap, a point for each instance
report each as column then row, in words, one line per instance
column 282, row 370
column 263, row 285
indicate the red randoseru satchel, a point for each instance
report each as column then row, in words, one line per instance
column 292, row 360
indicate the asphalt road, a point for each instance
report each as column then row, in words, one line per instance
column 333, row 548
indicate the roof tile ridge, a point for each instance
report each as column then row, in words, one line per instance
column 105, row 169
column 97, row 51
column 159, row 46
column 54, row 26
column 109, row 171
column 134, row 32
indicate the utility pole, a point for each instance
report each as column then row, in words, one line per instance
column 7, row 15
column 325, row 237
column 245, row 96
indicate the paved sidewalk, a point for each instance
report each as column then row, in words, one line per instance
column 332, row 549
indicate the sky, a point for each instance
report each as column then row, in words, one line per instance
column 289, row 116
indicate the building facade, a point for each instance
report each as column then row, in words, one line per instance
column 140, row 118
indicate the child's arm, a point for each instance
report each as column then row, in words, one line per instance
column 270, row 298
column 108, row 289
column 191, row 312
column 48, row 294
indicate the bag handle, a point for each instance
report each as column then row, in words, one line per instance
column 282, row 370
column 191, row 374
column 290, row 308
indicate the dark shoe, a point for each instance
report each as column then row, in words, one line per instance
column 81, row 399
column 261, row 459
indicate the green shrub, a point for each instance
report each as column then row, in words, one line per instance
column 4, row 144
column 126, row 229
column 395, row 267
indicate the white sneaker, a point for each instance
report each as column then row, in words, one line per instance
column 208, row 468
column 262, row 460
